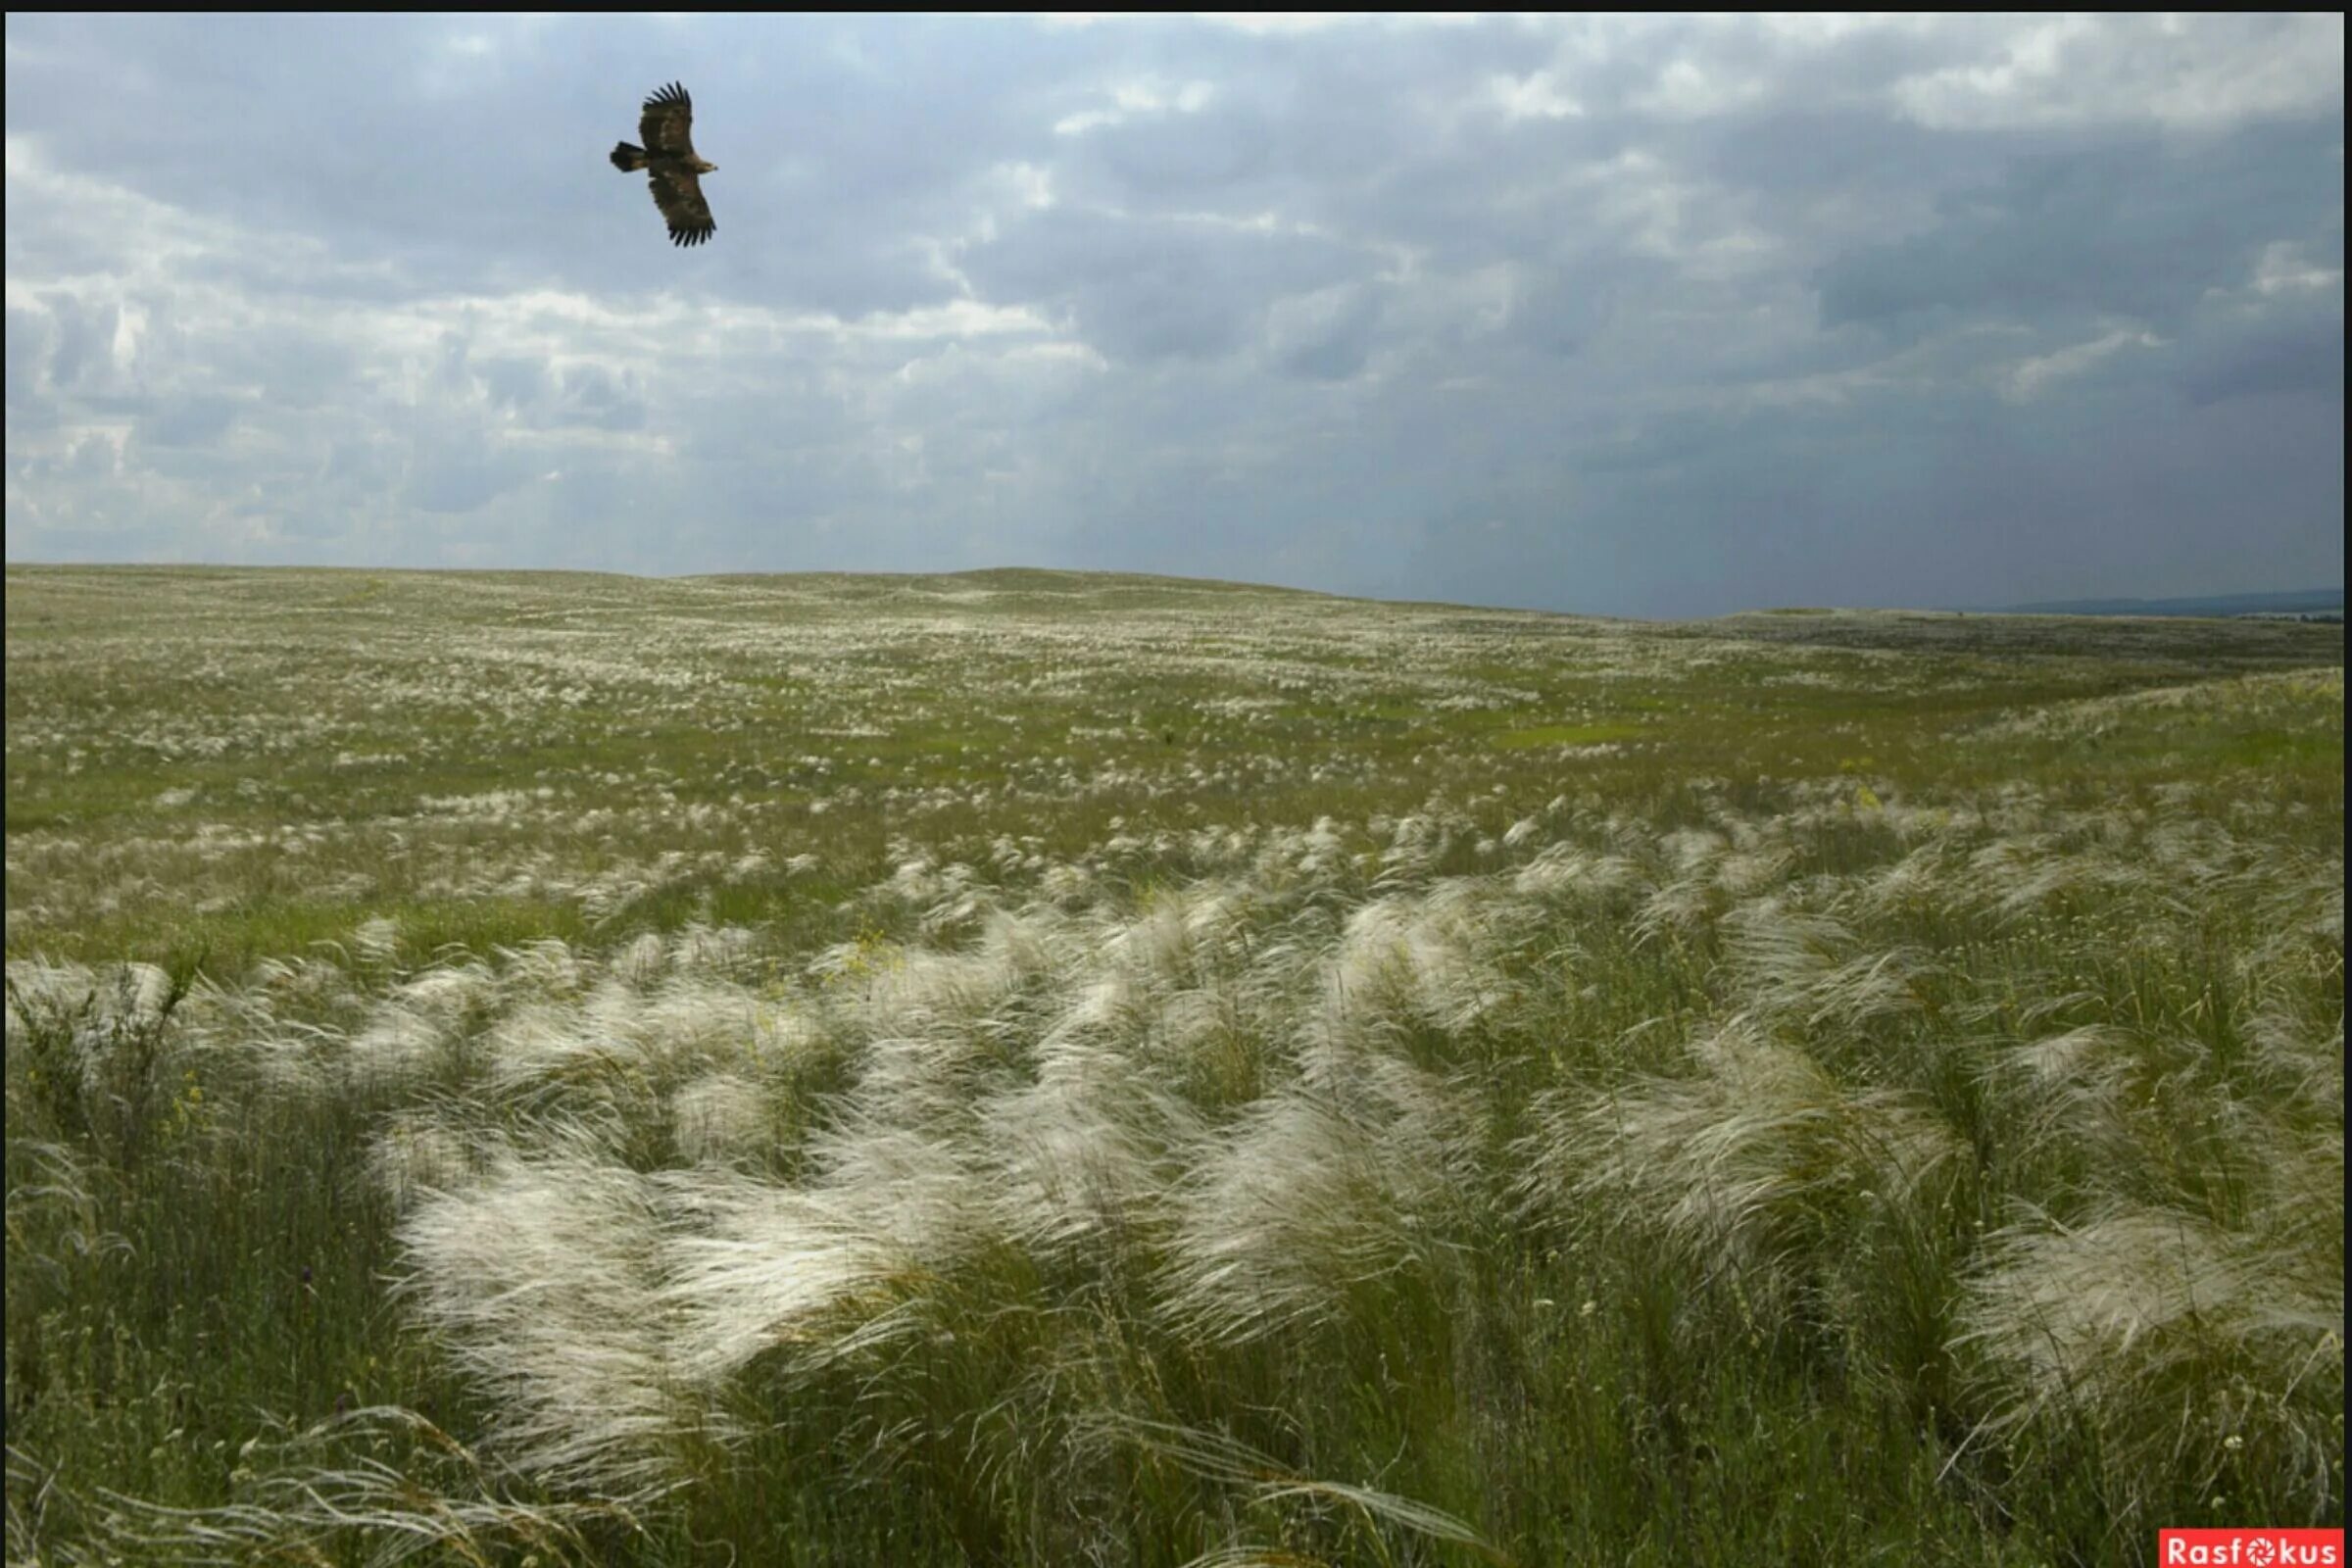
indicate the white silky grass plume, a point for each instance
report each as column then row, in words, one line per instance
column 1808, row 967
column 912, row 1184
column 2091, row 1312
column 1750, row 1157
column 545, row 1277
column 2302, row 1060
column 676, row 1025
column 1082, row 1157
column 720, row 1117
column 1682, row 908
column 100, row 1004
column 765, row 1268
column 2180, row 1341
column 421, row 1026
column 1314, row 1192
column 1426, row 957
column 375, row 941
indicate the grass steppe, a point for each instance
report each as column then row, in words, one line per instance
column 1033, row 1068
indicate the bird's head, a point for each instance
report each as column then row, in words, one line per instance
column 705, row 167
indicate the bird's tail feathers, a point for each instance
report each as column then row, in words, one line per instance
column 628, row 158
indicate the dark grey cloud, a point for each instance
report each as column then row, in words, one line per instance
column 459, row 472
column 1327, row 337
column 515, row 384
column 2294, row 348
column 186, row 421
column 2142, row 229
column 1649, row 315
column 602, row 399
column 80, row 341
column 1149, row 288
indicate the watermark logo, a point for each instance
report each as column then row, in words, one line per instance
column 2250, row 1548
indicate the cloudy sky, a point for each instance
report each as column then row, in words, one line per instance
column 1639, row 316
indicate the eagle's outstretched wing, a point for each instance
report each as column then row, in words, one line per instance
column 667, row 124
column 679, row 195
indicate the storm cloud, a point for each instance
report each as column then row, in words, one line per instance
column 1640, row 316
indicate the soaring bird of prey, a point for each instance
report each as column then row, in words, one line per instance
column 668, row 156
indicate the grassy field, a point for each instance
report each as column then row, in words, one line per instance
column 1026, row 1067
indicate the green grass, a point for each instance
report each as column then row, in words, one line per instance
column 1564, row 735
column 1038, row 1068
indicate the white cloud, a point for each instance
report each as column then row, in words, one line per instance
column 2285, row 269
column 2031, row 378
column 1539, row 95
column 1131, row 100
column 2170, row 70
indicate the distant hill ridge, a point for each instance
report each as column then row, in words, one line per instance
column 1013, row 584
column 2304, row 602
